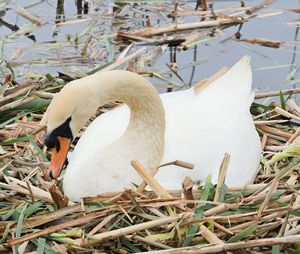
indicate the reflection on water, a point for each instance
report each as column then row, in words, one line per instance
column 79, row 35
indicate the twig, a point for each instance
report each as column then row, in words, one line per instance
column 222, row 176
column 131, row 229
column 51, row 229
column 241, row 245
column 261, row 95
column 148, row 32
column 260, row 6
column 209, row 236
column 154, row 185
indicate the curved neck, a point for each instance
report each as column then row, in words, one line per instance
column 147, row 117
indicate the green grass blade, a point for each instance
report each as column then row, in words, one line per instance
column 275, row 249
column 41, row 245
column 193, row 229
column 282, row 100
column 243, row 233
column 20, row 222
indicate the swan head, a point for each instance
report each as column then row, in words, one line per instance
column 69, row 110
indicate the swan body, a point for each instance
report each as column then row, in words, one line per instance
column 196, row 128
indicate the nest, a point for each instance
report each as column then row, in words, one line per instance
column 36, row 216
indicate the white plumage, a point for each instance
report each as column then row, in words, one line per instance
column 200, row 129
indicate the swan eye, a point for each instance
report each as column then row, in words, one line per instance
column 63, row 130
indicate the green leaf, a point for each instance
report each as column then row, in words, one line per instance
column 193, row 229
column 15, row 140
column 20, row 222
column 39, row 150
column 282, row 100
column 41, row 245
column 161, row 237
column 49, row 77
column 33, row 208
column 224, row 188
column 39, row 242
column 296, row 213
column 243, row 233
column 130, row 246
column 275, row 249
column 5, row 233
column 296, row 251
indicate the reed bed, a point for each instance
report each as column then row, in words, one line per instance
column 37, row 217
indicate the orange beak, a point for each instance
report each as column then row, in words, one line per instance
column 58, row 157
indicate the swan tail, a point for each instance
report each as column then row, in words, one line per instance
column 237, row 80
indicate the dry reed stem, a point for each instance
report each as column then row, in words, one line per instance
column 178, row 163
column 187, row 187
column 15, row 104
column 51, row 229
column 294, row 136
column 38, row 220
column 260, row 6
column 275, row 131
column 209, row 236
column 261, row 95
column 135, row 228
column 219, row 208
column 146, row 176
column 22, row 91
column 262, row 42
column 286, row 114
column 27, row 15
column 22, row 190
column 222, row 176
column 271, row 191
column 151, row 243
column 101, row 224
column 148, row 32
column 125, row 35
column 225, row 230
column 124, row 60
column 241, row 245
column 201, row 13
column 143, row 185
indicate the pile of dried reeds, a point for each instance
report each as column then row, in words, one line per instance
column 35, row 216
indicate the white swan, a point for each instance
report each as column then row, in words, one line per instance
column 200, row 128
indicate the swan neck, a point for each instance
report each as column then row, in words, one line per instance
column 147, row 117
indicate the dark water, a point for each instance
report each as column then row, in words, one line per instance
column 50, row 48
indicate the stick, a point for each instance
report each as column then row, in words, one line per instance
column 262, row 95
column 241, row 245
column 209, row 236
column 15, row 104
column 260, row 6
column 201, row 13
column 286, row 114
column 148, row 32
column 131, row 229
column 124, row 60
column 154, row 185
column 222, row 176
column 71, row 223
column 25, row 14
